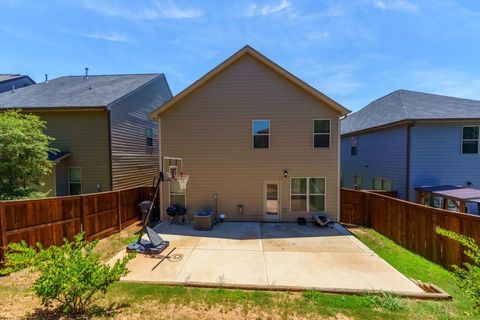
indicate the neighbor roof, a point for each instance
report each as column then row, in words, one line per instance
column 75, row 91
column 10, row 77
column 404, row 105
column 261, row 58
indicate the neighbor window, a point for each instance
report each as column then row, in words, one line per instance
column 470, row 139
column 307, row 194
column 353, row 151
column 321, row 133
column 261, row 134
column 358, row 182
column 74, row 180
column 149, row 135
column 382, row 184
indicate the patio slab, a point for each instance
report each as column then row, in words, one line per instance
column 270, row 256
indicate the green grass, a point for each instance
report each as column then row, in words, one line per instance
column 311, row 303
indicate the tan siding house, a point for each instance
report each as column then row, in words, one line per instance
column 245, row 132
column 102, row 128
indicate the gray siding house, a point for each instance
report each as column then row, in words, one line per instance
column 101, row 126
column 9, row 82
column 409, row 139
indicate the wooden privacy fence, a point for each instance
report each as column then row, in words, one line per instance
column 49, row 220
column 409, row 224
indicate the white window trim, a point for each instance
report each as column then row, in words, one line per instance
column 382, row 179
column 81, row 179
column 261, row 134
column 329, row 134
column 462, row 140
column 308, row 193
column 170, row 193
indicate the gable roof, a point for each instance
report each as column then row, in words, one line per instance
column 267, row 62
column 404, row 105
column 75, row 91
column 10, row 77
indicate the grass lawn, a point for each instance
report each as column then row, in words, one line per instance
column 142, row 301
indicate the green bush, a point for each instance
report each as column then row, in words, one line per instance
column 71, row 274
column 468, row 275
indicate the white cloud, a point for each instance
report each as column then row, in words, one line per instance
column 157, row 10
column 396, row 5
column 114, row 37
column 258, row 10
column 448, row 81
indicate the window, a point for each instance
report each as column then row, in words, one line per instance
column 149, row 135
column 261, row 134
column 321, row 133
column 177, row 195
column 358, row 182
column 307, row 194
column 353, row 146
column 382, row 184
column 470, row 138
column 74, row 180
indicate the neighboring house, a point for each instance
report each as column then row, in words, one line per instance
column 262, row 142
column 411, row 139
column 9, row 82
column 101, row 126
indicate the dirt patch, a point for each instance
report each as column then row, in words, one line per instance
column 110, row 246
column 195, row 312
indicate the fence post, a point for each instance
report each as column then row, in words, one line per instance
column 119, row 211
column 3, row 233
column 367, row 212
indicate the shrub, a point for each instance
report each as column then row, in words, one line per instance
column 468, row 275
column 71, row 274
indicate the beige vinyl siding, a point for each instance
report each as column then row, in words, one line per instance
column 211, row 129
column 133, row 162
column 85, row 135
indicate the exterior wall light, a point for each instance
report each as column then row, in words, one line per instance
column 285, row 173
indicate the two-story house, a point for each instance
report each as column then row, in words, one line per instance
column 101, row 126
column 408, row 139
column 258, row 140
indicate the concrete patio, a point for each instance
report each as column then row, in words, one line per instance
column 270, row 256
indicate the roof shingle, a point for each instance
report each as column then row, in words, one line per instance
column 410, row 105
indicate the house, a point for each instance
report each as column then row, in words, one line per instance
column 257, row 142
column 408, row 139
column 9, row 82
column 102, row 129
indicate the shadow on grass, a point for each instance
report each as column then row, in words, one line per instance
column 95, row 311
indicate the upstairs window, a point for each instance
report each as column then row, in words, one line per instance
column 149, row 136
column 321, row 133
column 353, row 148
column 470, row 138
column 261, row 134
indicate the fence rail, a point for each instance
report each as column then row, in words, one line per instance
column 409, row 224
column 50, row 220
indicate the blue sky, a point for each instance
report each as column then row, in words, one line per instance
column 352, row 50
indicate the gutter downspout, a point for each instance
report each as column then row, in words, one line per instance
column 407, row 169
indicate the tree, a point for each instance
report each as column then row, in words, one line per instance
column 24, row 151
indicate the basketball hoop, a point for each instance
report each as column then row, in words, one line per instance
column 182, row 180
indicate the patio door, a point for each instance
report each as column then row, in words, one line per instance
column 271, row 200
